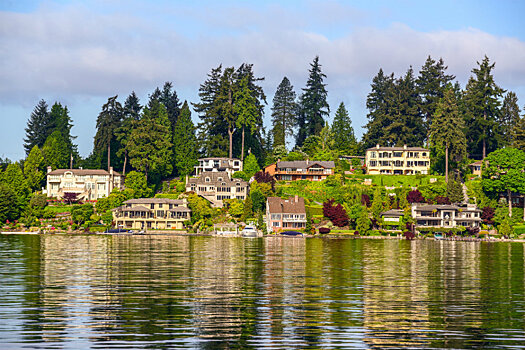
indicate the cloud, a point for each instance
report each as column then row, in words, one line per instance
column 76, row 52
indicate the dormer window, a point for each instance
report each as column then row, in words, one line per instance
column 207, row 179
column 219, row 179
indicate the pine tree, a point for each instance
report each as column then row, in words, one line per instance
column 431, row 84
column 378, row 103
column 212, row 128
column 454, row 191
column 245, row 110
column 37, row 127
column 59, row 120
column 132, row 107
column 185, row 142
column 55, row 151
column 446, row 131
column 284, row 112
column 407, row 124
column 149, row 145
column 32, row 168
column 342, row 131
column 482, row 100
column 313, row 103
column 518, row 134
column 363, row 222
column 108, row 122
column 170, row 100
column 509, row 117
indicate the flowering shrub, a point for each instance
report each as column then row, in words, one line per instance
column 337, row 214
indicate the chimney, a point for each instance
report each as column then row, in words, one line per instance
column 405, row 146
column 49, row 169
column 80, row 167
column 296, row 199
column 307, row 162
column 110, row 170
column 377, row 146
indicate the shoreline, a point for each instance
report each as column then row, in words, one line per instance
column 325, row 236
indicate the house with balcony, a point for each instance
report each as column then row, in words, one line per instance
column 152, row 213
column 446, row 216
column 229, row 165
column 476, row 168
column 285, row 214
column 216, row 186
column 397, row 160
column 87, row 184
column 311, row 170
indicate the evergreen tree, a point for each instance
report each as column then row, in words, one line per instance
column 251, row 166
column 13, row 177
column 9, row 204
column 313, row 103
column 132, row 107
column 378, row 205
column 342, row 131
column 55, row 151
column 431, row 84
column 108, row 122
column 37, row 127
column 509, row 117
column 61, row 122
column 149, row 145
column 378, row 103
column 245, row 110
column 455, row 191
column 518, row 134
column 185, row 142
column 212, row 128
column 482, row 101
column 363, row 222
column 284, row 112
column 154, row 98
column 248, row 209
column 406, row 125
column 32, row 168
column 170, row 100
column 446, row 132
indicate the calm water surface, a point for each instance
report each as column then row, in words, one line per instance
column 74, row 292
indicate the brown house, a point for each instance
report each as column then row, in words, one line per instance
column 311, row 170
column 285, row 214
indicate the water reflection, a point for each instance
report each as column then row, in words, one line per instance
column 62, row 291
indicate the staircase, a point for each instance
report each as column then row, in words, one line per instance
column 465, row 195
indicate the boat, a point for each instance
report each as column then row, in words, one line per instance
column 438, row 236
column 249, row 231
column 291, row 233
column 116, row 230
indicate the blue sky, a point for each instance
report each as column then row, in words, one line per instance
column 82, row 52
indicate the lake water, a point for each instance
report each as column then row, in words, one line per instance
column 88, row 291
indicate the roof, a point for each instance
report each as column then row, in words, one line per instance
column 305, row 164
column 393, row 212
column 154, row 201
column 426, row 207
column 478, row 163
column 138, row 208
column 214, row 179
column 180, row 209
column 397, row 149
column 219, row 158
column 279, row 205
column 83, row 172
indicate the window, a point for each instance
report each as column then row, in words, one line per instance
column 207, row 179
column 372, row 154
column 398, row 154
column 219, row 179
column 152, row 206
column 276, row 224
column 373, row 163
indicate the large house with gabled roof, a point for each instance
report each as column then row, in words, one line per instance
column 311, row 170
column 152, row 213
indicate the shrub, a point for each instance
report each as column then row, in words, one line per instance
column 442, row 200
column 409, row 235
column 415, row 197
column 337, row 214
column 365, row 200
column 487, row 215
column 324, row 230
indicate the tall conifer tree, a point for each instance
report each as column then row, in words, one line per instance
column 509, row 117
column 37, row 129
column 342, row 131
column 313, row 103
column 284, row 111
column 185, row 142
column 108, row 122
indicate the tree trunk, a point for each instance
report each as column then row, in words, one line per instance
column 446, row 164
column 510, row 202
column 230, row 135
column 109, row 153
column 484, row 136
column 125, row 162
column 523, row 208
column 242, row 143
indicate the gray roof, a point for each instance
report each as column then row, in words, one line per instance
column 180, row 209
column 217, row 178
column 154, row 201
column 137, row 208
column 393, row 212
column 305, row 164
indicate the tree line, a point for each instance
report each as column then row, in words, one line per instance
column 161, row 140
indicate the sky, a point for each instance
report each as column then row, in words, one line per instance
column 79, row 53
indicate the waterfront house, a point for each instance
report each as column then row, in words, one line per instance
column 285, row 214
column 446, row 216
column 230, row 165
column 311, row 170
column 152, row 213
column 216, row 186
column 397, row 160
column 87, row 184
